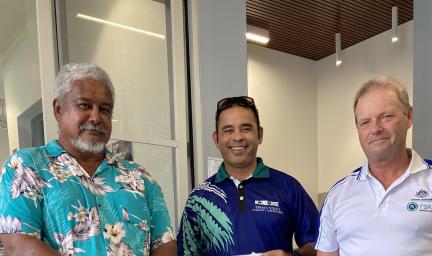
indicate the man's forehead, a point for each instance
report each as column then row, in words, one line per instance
column 88, row 86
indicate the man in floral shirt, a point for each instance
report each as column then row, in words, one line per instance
column 72, row 196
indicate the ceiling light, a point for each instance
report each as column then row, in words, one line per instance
column 338, row 48
column 257, row 35
column 97, row 20
column 395, row 37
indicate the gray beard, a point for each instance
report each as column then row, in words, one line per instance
column 88, row 147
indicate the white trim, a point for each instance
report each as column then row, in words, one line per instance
column 182, row 171
column 148, row 140
column 47, row 64
column 200, row 170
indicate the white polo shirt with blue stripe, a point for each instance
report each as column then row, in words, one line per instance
column 359, row 217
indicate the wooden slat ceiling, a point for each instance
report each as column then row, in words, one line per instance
column 307, row 28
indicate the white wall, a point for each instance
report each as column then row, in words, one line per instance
column 338, row 149
column 4, row 141
column 306, row 106
column 284, row 89
column 422, row 90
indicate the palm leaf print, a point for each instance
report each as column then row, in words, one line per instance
column 214, row 222
column 10, row 225
column 189, row 243
column 88, row 227
column 27, row 183
column 64, row 166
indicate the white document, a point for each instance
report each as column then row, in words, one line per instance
column 213, row 164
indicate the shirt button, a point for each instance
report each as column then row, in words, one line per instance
column 240, row 186
column 241, row 198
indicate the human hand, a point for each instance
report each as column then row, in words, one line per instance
column 276, row 253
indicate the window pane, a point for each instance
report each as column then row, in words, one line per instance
column 20, row 90
column 128, row 39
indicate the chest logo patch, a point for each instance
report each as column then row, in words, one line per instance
column 421, row 202
column 422, row 193
column 267, row 206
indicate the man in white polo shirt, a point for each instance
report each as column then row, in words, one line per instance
column 384, row 207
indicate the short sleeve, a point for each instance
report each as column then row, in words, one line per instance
column 307, row 216
column 188, row 238
column 21, row 196
column 327, row 237
column 160, row 224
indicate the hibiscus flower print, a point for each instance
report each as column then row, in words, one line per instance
column 59, row 173
column 132, row 181
column 114, row 233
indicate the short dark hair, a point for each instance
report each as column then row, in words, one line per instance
column 238, row 101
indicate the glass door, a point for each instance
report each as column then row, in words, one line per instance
column 140, row 45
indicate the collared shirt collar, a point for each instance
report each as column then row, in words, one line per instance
column 54, row 149
column 261, row 171
column 417, row 164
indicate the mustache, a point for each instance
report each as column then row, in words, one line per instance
column 92, row 128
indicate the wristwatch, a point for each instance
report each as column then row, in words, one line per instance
column 295, row 253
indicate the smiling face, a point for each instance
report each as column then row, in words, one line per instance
column 238, row 138
column 382, row 123
column 84, row 117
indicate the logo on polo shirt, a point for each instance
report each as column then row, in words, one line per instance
column 422, row 201
column 266, row 202
column 267, row 206
column 422, row 193
column 411, row 206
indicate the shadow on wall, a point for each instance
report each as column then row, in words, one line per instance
column 321, row 198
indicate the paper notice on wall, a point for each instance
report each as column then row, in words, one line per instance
column 213, row 164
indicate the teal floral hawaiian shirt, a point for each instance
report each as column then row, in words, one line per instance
column 120, row 210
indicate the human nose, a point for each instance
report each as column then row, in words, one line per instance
column 376, row 126
column 238, row 135
column 95, row 115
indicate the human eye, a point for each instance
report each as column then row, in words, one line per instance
column 83, row 106
column 228, row 129
column 363, row 123
column 387, row 117
column 106, row 110
column 246, row 128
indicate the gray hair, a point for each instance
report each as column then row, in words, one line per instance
column 71, row 72
column 382, row 81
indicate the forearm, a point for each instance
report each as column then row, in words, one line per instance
column 307, row 250
column 166, row 249
column 19, row 244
